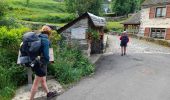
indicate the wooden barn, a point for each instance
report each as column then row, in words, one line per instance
column 87, row 30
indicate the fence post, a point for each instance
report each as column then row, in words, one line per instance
column 29, row 73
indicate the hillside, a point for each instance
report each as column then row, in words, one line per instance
column 47, row 11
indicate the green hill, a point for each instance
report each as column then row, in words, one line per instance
column 47, row 11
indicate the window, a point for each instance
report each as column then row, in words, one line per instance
column 160, row 12
column 158, row 33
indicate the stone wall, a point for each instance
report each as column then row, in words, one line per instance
column 82, row 23
column 83, row 44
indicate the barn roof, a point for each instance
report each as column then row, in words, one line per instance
column 95, row 20
column 155, row 2
column 134, row 20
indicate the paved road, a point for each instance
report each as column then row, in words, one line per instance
column 143, row 74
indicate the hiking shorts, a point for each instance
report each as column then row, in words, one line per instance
column 123, row 44
column 40, row 70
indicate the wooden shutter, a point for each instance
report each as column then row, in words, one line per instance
column 167, row 37
column 152, row 12
column 147, row 32
column 168, row 11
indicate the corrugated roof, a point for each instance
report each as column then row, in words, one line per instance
column 135, row 19
column 155, row 2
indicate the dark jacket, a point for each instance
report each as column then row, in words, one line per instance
column 45, row 48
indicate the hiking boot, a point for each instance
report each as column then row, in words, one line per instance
column 52, row 94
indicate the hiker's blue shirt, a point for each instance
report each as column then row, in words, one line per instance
column 45, row 43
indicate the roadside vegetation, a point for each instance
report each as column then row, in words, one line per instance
column 70, row 64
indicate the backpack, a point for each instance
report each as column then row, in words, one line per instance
column 125, row 40
column 30, row 49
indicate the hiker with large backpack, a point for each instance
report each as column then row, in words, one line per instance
column 123, row 43
column 35, row 54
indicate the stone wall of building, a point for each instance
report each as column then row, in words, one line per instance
column 146, row 22
column 83, row 44
column 82, row 23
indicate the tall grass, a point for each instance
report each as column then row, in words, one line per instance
column 70, row 65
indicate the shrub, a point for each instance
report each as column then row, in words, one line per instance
column 11, row 39
column 55, row 37
column 70, row 65
column 11, row 75
column 9, row 22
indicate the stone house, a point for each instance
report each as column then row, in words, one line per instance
column 132, row 25
column 155, row 19
column 78, row 31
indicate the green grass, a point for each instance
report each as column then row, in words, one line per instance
column 115, row 25
column 48, row 11
column 112, row 25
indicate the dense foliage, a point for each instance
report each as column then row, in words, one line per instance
column 123, row 7
column 11, row 75
column 81, row 6
column 70, row 64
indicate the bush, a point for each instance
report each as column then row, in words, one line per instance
column 9, row 22
column 70, row 65
column 11, row 75
column 11, row 39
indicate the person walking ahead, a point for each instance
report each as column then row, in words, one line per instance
column 41, row 70
column 123, row 43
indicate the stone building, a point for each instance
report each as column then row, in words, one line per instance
column 132, row 24
column 155, row 19
column 78, row 31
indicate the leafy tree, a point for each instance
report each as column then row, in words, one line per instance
column 123, row 7
column 81, row 6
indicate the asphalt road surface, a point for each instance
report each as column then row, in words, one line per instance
column 143, row 74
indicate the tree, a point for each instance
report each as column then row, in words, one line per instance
column 81, row 6
column 123, row 7
column 3, row 8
